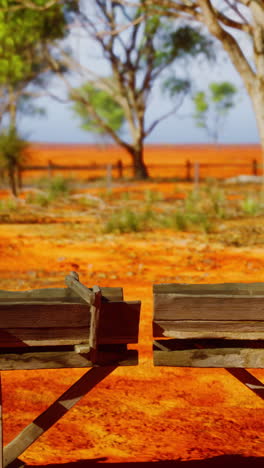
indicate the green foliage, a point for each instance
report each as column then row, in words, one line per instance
column 187, row 40
column 53, row 189
column 127, row 220
column 59, row 187
column 212, row 107
column 251, row 206
column 103, row 105
column 123, row 221
column 152, row 196
column 174, row 85
column 21, row 34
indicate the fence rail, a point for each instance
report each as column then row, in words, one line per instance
column 186, row 171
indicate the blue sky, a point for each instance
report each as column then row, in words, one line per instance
column 61, row 125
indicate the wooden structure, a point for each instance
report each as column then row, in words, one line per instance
column 60, row 328
column 209, row 325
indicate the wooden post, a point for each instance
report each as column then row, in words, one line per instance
column 188, row 170
column 196, row 175
column 1, row 426
column 254, row 167
column 109, row 177
column 93, row 298
column 119, row 166
column 50, row 168
column 49, row 417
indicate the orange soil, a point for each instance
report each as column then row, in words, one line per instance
column 139, row 413
column 154, row 155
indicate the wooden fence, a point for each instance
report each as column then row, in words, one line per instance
column 189, row 171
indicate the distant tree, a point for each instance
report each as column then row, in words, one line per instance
column 136, row 58
column 25, row 37
column 13, row 152
column 239, row 27
column 213, row 106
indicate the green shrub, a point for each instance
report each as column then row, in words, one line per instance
column 41, row 199
column 126, row 220
column 151, row 196
column 251, row 206
column 9, row 204
column 59, row 187
column 123, row 221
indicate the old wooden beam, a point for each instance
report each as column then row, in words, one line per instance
column 209, row 353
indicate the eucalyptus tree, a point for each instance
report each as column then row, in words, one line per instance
column 116, row 103
column 24, row 60
column 25, row 35
column 239, row 26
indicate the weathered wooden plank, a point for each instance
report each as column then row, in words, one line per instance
column 49, row 417
column 72, row 281
column 244, row 289
column 47, row 315
column 39, row 322
column 172, row 306
column 94, row 324
column 15, row 337
column 65, row 359
column 187, row 353
column 56, row 295
column 248, row 330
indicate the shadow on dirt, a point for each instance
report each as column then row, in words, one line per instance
column 221, row 461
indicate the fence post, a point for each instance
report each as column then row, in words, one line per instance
column 254, row 167
column 196, row 175
column 109, row 177
column 119, row 166
column 50, row 168
column 188, row 170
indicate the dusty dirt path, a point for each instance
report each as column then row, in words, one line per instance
column 141, row 413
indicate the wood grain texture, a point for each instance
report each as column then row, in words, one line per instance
column 194, row 307
column 249, row 330
column 36, row 323
column 238, row 289
column 24, row 337
column 65, row 359
column 229, row 354
column 72, row 281
column 95, row 310
column 47, row 315
column 56, row 295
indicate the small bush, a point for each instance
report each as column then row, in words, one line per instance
column 8, row 205
column 58, row 187
column 151, row 196
column 41, row 199
column 127, row 220
column 123, row 221
column 251, row 206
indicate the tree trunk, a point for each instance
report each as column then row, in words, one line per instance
column 140, row 170
column 257, row 96
column 12, row 181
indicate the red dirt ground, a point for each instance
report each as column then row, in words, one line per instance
column 138, row 414
column 154, row 155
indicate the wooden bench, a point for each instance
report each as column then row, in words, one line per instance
column 64, row 328
column 209, row 325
